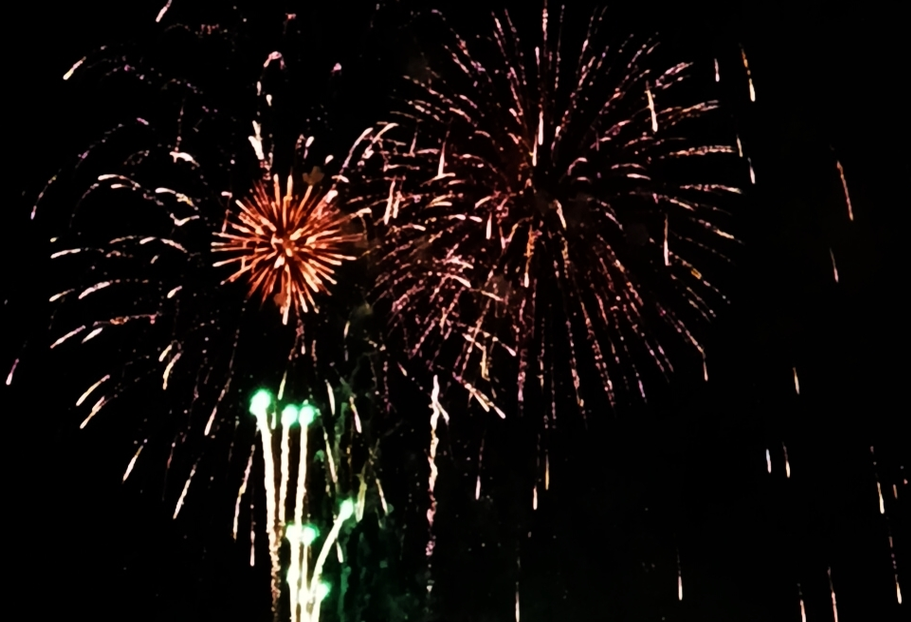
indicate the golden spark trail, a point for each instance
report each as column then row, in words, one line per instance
column 679, row 578
column 746, row 67
column 132, row 463
column 242, row 489
column 259, row 408
column 844, row 185
column 832, row 592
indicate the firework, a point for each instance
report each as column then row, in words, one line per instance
column 305, row 576
column 287, row 245
column 551, row 222
column 175, row 250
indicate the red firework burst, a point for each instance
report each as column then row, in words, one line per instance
column 287, row 244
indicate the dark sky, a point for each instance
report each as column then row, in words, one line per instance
column 687, row 473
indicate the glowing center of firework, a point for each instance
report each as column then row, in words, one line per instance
column 287, row 245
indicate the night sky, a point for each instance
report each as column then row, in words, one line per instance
column 685, row 474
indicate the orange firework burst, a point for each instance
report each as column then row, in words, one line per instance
column 287, row 245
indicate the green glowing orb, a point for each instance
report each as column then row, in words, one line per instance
column 290, row 416
column 347, row 510
column 260, row 403
column 308, row 413
column 309, row 533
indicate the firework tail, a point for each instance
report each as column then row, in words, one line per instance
column 436, row 411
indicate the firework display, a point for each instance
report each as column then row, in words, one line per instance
column 554, row 214
column 484, row 301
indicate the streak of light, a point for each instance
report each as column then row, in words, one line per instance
column 679, row 578
column 9, row 376
column 436, row 412
column 879, row 492
column 717, row 73
column 834, row 267
column 517, row 601
column 803, row 609
column 72, row 333
column 283, row 473
column 95, row 409
column 67, row 76
column 651, row 108
column 132, row 463
column 546, row 471
column 265, row 433
column 787, row 464
column 796, row 382
column 898, row 589
column 331, row 398
column 241, row 490
column 357, row 417
column 379, row 489
column 92, row 334
column 167, row 371
column 88, row 391
column 844, row 185
column 832, row 592
column 252, row 536
column 768, row 460
column 746, row 67
column 183, row 493
column 163, row 10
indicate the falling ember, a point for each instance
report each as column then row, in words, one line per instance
column 746, row 67
column 183, row 493
column 844, row 185
column 898, row 589
column 546, row 471
column 787, row 465
column 832, row 592
column 132, row 463
column 163, row 10
column 803, row 610
column 879, row 492
column 752, row 172
column 477, row 487
column 717, row 74
column 287, row 244
column 768, row 460
column 651, row 108
column 796, row 382
column 242, row 489
column 679, row 578
column 834, row 267
column 517, row 601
